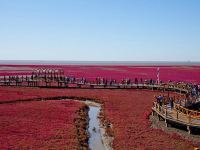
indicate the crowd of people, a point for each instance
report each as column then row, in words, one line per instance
column 194, row 89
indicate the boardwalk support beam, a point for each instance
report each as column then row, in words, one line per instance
column 189, row 130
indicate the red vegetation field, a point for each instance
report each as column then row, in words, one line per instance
column 175, row 73
column 38, row 125
column 127, row 110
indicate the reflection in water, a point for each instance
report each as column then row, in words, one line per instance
column 95, row 140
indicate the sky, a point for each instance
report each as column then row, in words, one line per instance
column 100, row 30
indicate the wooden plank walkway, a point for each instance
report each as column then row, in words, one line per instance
column 64, row 84
column 176, row 116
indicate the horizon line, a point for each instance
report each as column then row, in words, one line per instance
column 89, row 62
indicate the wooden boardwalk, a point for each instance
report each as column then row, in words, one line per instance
column 190, row 119
column 78, row 84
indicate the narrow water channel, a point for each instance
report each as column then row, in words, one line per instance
column 95, row 140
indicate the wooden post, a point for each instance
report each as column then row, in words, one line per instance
column 166, row 124
column 177, row 115
column 4, row 82
column 189, row 130
column 152, row 113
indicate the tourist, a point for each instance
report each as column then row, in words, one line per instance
column 198, row 90
column 171, row 103
column 160, row 100
column 141, row 81
column 193, row 91
column 151, row 81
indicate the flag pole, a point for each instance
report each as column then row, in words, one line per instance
column 158, row 75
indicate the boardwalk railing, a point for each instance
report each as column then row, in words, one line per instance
column 67, row 82
column 178, row 114
column 188, row 112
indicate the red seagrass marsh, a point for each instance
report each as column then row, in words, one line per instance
column 30, row 117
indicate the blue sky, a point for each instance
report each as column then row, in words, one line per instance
column 107, row 30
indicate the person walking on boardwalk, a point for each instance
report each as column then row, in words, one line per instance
column 136, row 81
column 160, row 100
column 171, row 103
